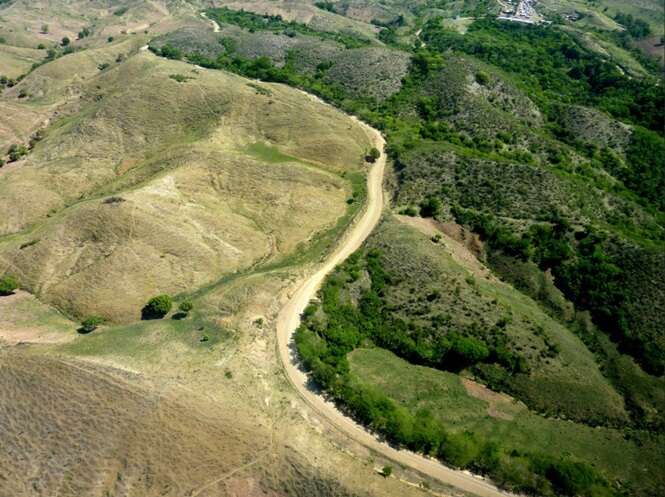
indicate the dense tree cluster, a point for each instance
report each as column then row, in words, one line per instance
column 336, row 327
column 554, row 67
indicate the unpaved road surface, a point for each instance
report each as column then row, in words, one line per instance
column 289, row 319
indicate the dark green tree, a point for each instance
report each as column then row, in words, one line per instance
column 90, row 324
column 157, row 307
column 7, row 285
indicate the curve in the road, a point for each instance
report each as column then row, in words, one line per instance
column 288, row 320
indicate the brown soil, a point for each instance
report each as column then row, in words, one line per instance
column 499, row 404
column 464, row 247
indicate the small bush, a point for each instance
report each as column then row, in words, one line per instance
column 387, row 471
column 186, row 306
column 482, row 78
column 84, row 33
column 180, row 78
column 373, row 155
column 17, row 152
column 157, row 307
column 430, row 207
column 90, row 324
column 113, row 200
column 7, row 285
column 65, row 41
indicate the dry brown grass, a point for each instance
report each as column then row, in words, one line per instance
column 195, row 205
column 89, row 430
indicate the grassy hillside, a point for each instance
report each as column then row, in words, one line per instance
column 150, row 186
column 108, row 430
column 465, row 406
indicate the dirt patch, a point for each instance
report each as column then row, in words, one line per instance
column 500, row 405
column 41, row 325
column 246, row 487
column 653, row 47
column 125, row 166
column 464, row 247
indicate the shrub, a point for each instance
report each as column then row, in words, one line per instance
column 482, row 78
column 373, row 155
column 460, row 450
column 430, row 207
column 7, row 285
column 84, row 33
column 387, row 471
column 16, row 152
column 157, row 307
column 90, row 324
column 65, row 41
column 571, row 478
column 170, row 52
column 180, row 78
column 186, row 306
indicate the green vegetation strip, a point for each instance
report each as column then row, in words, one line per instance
column 276, row 24
column 336, row 327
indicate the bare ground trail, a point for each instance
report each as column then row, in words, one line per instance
column 215, row 26
column 288, row 320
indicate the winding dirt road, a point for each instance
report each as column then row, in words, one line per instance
column 288, row 320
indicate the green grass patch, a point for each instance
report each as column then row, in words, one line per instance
column 511, row 424
column 268, row 153
column 146, row 340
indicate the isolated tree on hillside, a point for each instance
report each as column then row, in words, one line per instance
column 7, row 285
column 65, row 41
column 186, row 306
column 157, row 307
column 373, row 155
column 16, row 152
column 184, row 309
column 90, row 324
